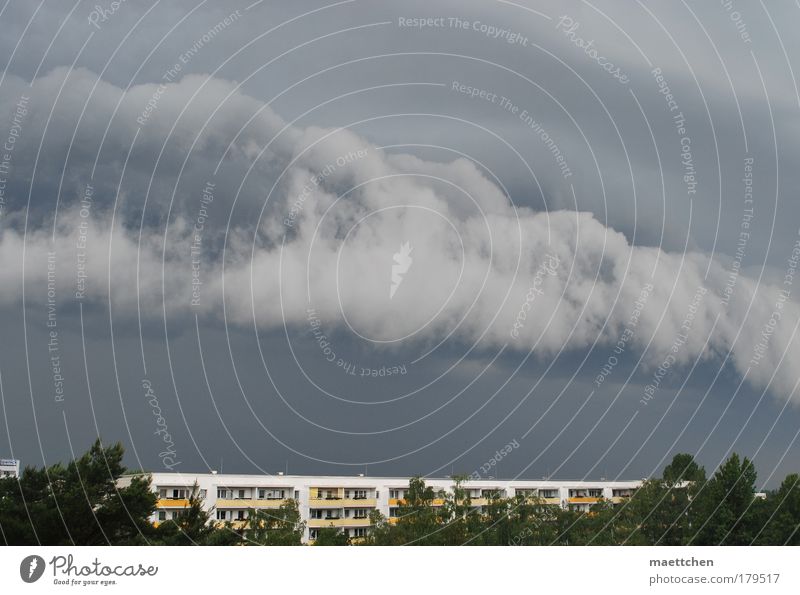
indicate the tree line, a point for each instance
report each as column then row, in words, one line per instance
column 82, row 503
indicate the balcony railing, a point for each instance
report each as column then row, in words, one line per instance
column 248, row 503
column 172, row 503
column 342, row 522
column 584, row 499
column 342, row 503
column 402, row 502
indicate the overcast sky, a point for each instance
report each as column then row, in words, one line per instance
column 394, row 237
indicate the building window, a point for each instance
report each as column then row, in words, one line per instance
column 394, row 512
column 265, row 494
column 297, row 494
column 241, row 494
column 202, row 494
column 178, row 494
column 222, row 493
column 162, row 493
column 222, row 515
column 360, row 532
column 360, row 494
column 361, row 513
column 312, row 533
column 162, row 515
column 240, row 515
column 315, row 513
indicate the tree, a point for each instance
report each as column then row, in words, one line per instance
column 659, row 511
column 77, row 504
column 683, row 468
column 780, row 514
column 656, row 514
column 94, row 501
column 719, row 510
column 492, row 526
column 457, row 514
column 193, row 526
column 417, row 521
column 530, row 521
column 331, row 536
column 281, row 526
column 380, row 532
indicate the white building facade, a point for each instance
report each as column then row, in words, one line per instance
column 9, row 468
column 346, row 502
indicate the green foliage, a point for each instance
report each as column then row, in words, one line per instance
column 85, row 503
column 780, row 514
column 683, row 468
column 418, row 521
column 77, row 504
column 194, row 527
column 680, row 508
column 719, row 510
column 331, row 536
column 281, row 526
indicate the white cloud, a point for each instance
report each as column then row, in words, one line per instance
column 474, row 256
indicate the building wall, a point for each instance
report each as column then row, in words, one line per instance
column 9, row 468
column 578, row 494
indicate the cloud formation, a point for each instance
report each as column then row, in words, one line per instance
column 325, row 211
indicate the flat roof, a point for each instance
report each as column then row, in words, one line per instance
column 467, row 479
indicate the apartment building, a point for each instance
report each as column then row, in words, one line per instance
column 346, row 502
column 9, row 468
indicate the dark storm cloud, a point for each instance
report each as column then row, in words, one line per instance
column 619, row 141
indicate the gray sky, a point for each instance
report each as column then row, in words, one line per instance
column 598, row 202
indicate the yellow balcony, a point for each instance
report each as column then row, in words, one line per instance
column 358, row 502
column 584, row 500
column 335, row 492
column 533, row 498
column 236, row 523
column 342, row 503
column 325, row 502
column 248, row 503
column 401, row 502
column 172, row 503
column 351, row 522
